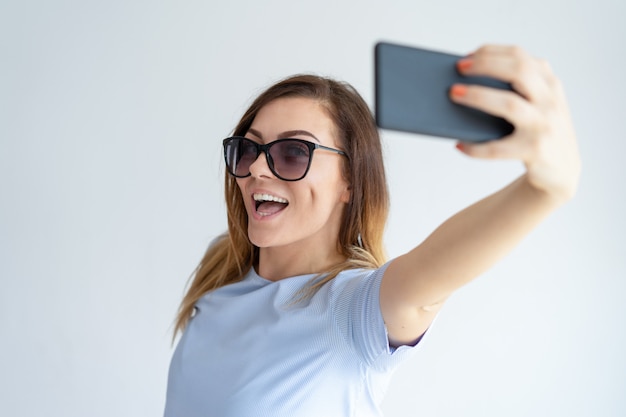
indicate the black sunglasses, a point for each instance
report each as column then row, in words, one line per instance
column 288, row 159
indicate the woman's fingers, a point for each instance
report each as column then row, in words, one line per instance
column 502, row 103
column 544, row 137
column 531, row 77
column 497, row 149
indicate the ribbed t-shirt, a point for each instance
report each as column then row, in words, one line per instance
column 256, row 348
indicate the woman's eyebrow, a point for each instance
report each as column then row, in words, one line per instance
column 291, row 133
column 286, row 134
column 256, row 133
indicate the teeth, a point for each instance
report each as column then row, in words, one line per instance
column 268, row 197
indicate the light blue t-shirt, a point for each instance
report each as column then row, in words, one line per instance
column 251, row 351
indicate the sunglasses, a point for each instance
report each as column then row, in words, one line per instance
column 288, row 159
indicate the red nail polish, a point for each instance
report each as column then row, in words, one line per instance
column 460, row 146
column 464, row 64
column 458, row 90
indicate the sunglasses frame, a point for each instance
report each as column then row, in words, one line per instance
column 265, row 148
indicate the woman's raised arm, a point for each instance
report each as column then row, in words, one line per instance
column 416, row 284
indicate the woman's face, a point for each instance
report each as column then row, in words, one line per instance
column 306, row 213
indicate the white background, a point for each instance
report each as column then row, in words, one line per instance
column 111, row 116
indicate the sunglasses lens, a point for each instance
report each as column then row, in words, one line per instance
column 291, row 158
column 240, row 154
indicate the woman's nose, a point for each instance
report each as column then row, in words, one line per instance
column 261, row 167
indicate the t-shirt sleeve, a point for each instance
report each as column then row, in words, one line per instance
column 358, row 313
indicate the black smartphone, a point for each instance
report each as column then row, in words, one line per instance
column 412, row 95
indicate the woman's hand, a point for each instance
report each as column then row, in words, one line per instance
column 544, row 138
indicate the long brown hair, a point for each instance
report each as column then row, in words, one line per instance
column 360, row 239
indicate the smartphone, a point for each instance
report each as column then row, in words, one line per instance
column 412, row 95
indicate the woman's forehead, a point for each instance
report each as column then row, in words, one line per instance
column 294, row 117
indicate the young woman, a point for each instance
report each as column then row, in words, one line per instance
column 295, row 311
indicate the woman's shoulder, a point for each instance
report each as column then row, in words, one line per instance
column 351, row 279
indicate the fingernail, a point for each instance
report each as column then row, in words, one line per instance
column 458, row 90
column 464, row 64
column 460, row 146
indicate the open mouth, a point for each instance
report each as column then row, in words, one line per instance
column 267, row 204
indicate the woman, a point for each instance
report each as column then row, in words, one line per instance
column 295, row 311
